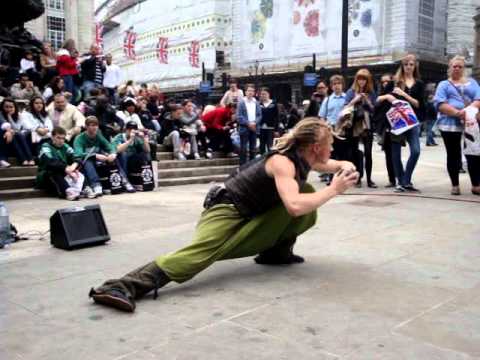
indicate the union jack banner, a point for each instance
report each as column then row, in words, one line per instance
column 129, row 44
column 99, row 35
column 194, row 54
column 401, row 117
column 162, row 50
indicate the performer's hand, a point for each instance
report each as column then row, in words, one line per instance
column 348, row 167
column 344, row 180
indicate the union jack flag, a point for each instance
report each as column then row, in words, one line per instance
column 99, row 35
column 129, row 44
column 401, row 117
column 162, row 50
column 194, row 54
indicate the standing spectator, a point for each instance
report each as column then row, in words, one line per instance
column 24, row 89
column 282, row 118
column 56, row 86
column 382, row 126
column 128, row 112
column 362, row 97
column 37, row 122
column 92, row 70
column 171, row 130
column 452, row 97
column 219, row 124
column 317, row 98
column 269, row 121
column 58, row 168
column 410, row 88
column 67, row 66
column 14, row 132
column 133, row 151
column 249, row 115
column 329, row 111
column 232, row 95
column 66, row 115
column 112, row 78
column 48, row 63
column 93, row 150
column 430, row 114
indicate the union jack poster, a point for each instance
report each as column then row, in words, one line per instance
column 194, row 54
column 162, row 50
column 401, row 117
column 129, row 44
column 99, row 35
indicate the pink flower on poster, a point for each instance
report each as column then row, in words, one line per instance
column 312, row 23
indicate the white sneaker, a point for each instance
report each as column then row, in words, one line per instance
column 129, row 187
column 208, row 155
column 180, row 157
column 4, row 164
column 97, row 190
column 232, row 155
column 88, row 193
column 196, row 156
column 71, row 194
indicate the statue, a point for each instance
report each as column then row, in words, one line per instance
column 14, row 38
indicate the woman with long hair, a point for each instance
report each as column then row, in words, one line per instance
column 48, row 62
column 362, row 96
column 452, row 97
column 15, row 132
column 56, row 86
column 408, row 87
column 37, row 122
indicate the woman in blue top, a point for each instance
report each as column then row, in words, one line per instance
column 451, row 99
column 362, row 96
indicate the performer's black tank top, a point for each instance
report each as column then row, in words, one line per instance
column 253, row 192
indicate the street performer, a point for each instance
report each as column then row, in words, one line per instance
column 261, row 209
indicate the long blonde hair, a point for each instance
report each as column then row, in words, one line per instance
column 400, row 74
column 308, row 131
column 450, row 67
column 364, row 74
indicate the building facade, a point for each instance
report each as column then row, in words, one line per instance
column 65, row 19
column 269, row 41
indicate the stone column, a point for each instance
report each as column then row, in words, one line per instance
column 85, row 24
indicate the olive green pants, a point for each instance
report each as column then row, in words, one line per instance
column 222, row 233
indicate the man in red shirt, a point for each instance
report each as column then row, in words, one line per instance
column 219, row 122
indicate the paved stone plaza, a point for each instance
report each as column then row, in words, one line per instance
column 386, row 277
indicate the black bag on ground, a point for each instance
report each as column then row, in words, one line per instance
column 142, row 179
column 110, row 179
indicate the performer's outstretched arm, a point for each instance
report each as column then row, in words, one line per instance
column 297, row 204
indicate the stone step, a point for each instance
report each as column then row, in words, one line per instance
column 192, row 180
column 195, row 171
column 168, row 155
column 19, row 182
column 16, row 171
column 17, row 194
column 175, row 164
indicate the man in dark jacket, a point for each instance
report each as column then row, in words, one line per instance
column 92, row 70
column 58, row 167
column 171, row 130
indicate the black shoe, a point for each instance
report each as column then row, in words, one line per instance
column 462, row 171
column 286, row 260
column 371, row 184
column 114, row 298
column 411, row 188
column 399, row 189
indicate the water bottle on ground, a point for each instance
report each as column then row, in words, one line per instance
column 5, row 233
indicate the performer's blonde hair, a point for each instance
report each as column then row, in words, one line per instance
column 308, row 131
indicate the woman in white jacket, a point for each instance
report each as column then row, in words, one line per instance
column 37, row 122
column 128, row 112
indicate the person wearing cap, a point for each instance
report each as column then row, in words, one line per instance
column 128, row 112
column 93, row 150
column 133, row 150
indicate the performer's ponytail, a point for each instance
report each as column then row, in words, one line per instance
column 307, row 131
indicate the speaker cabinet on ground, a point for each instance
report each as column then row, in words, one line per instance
column 78, row 227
